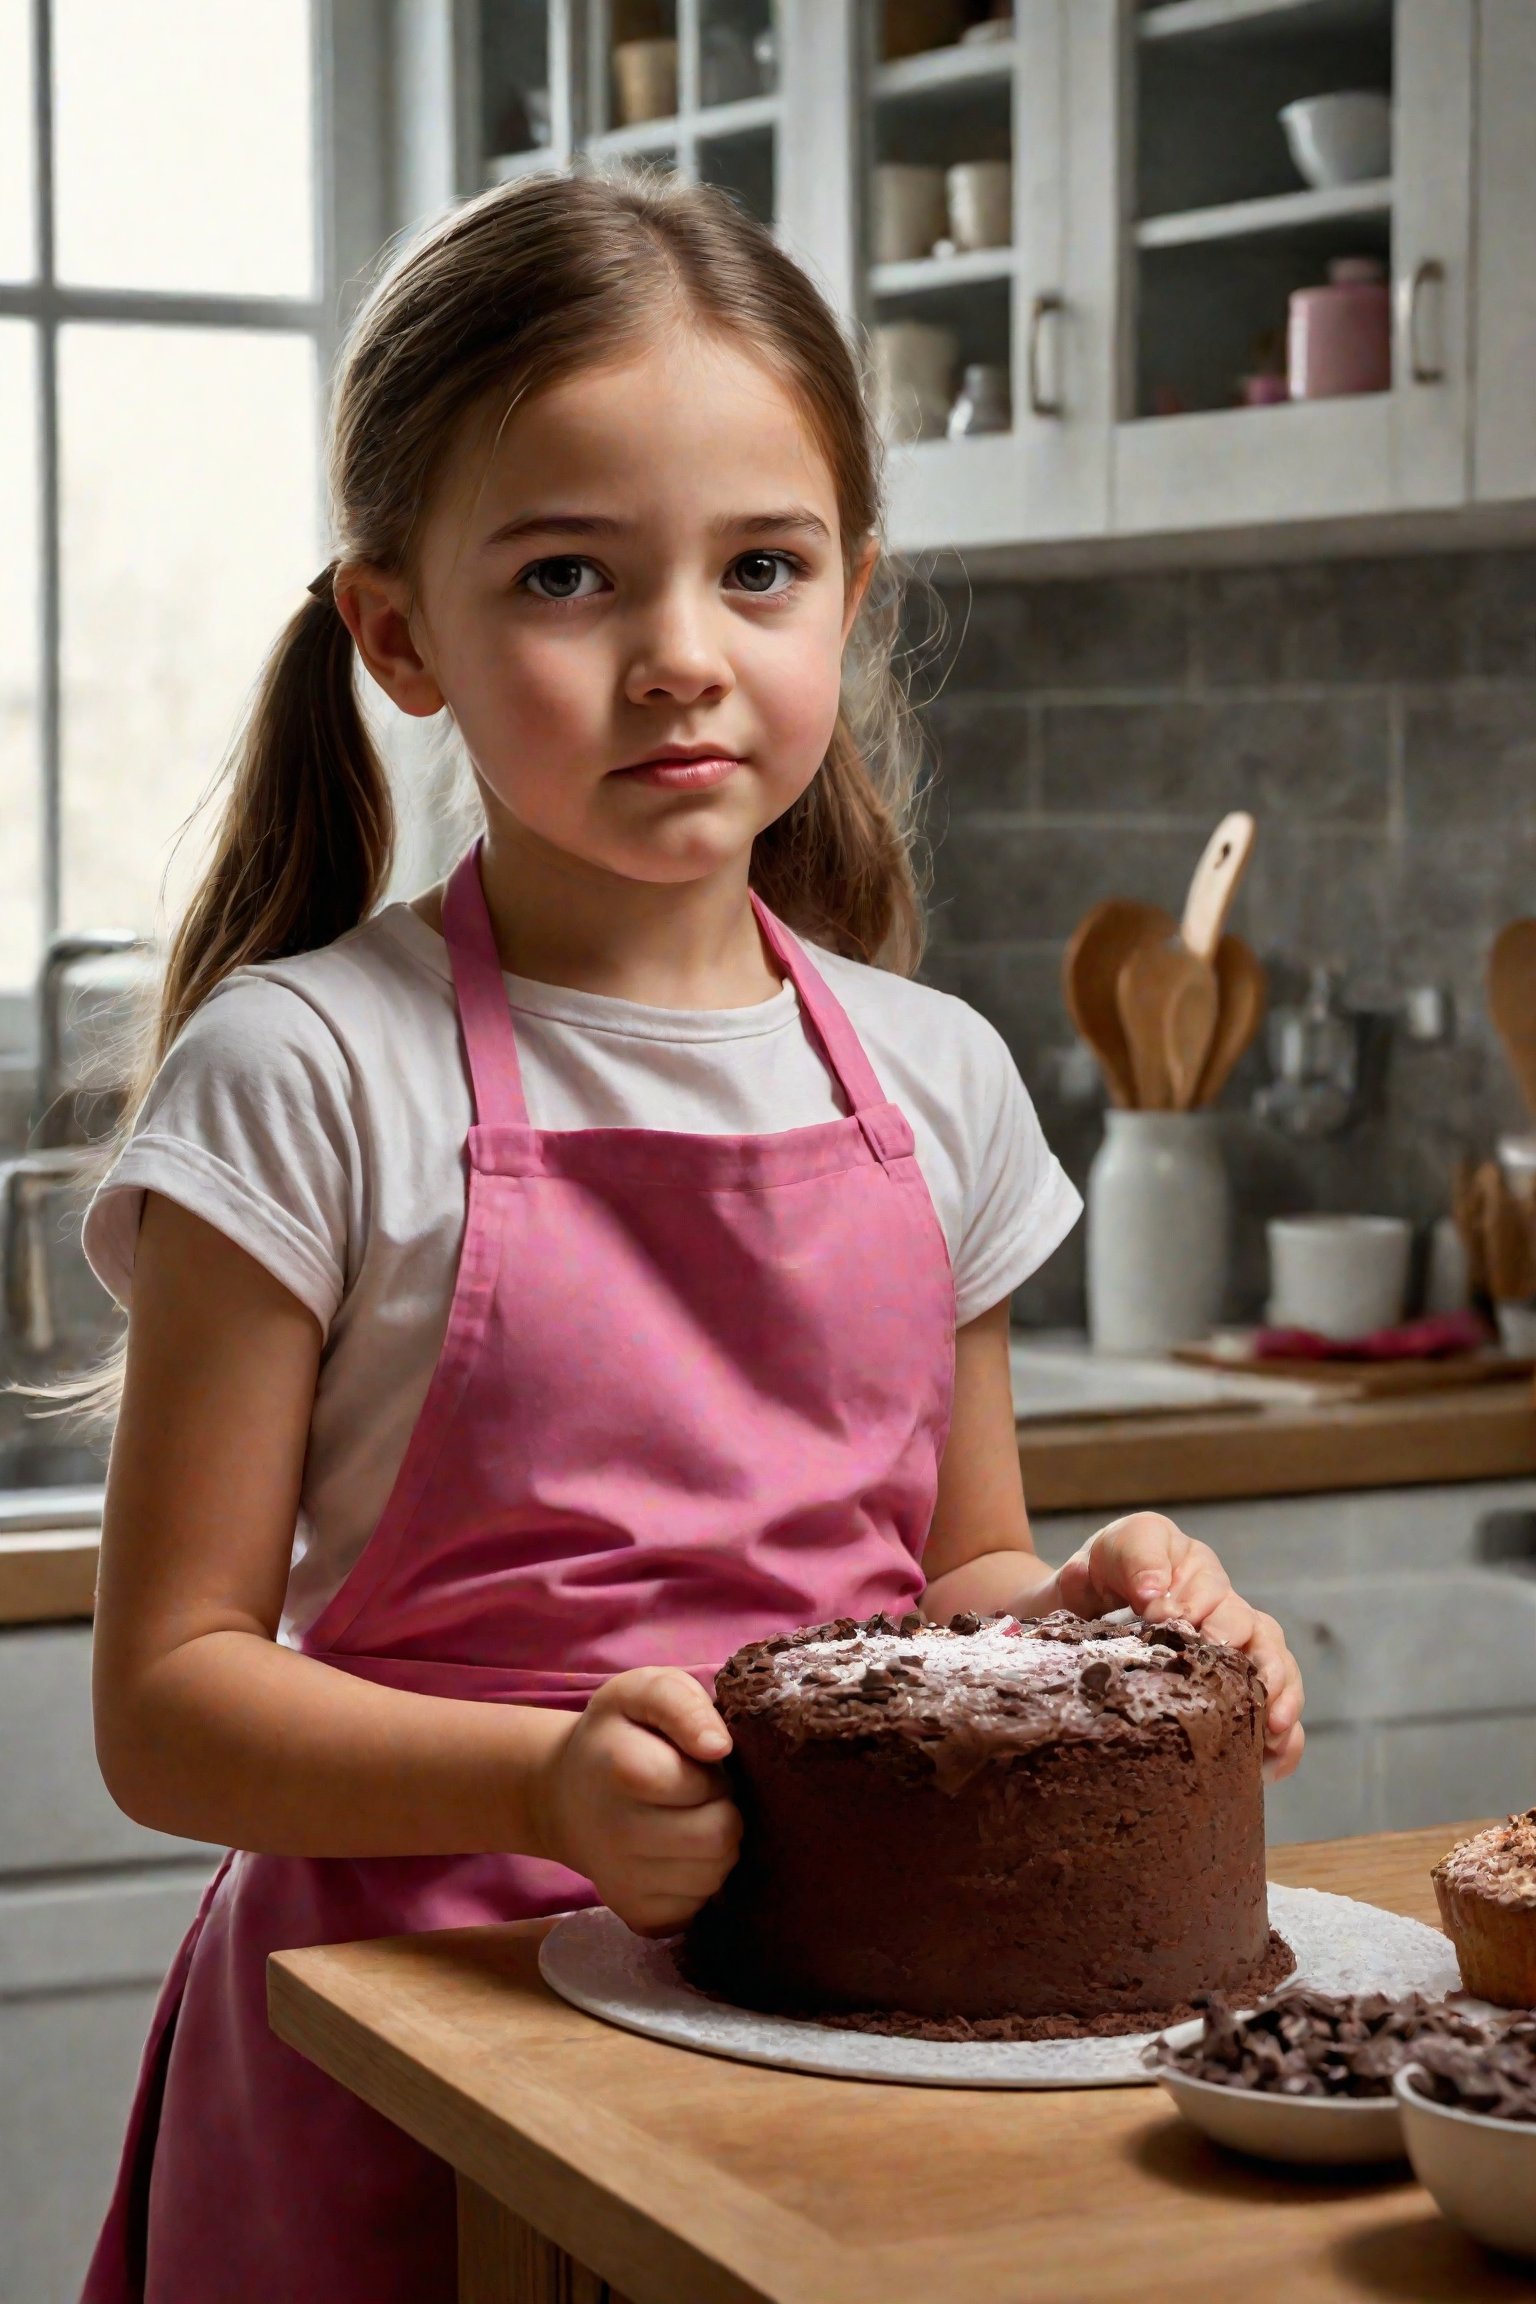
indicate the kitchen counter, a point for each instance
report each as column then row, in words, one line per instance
column 686, row 2179
column 1081, row 1464
column 47, row 1575
column 1485, row 1432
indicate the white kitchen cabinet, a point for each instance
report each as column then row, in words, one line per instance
column 1504, row 430
column 1159, row 229
column 1218, row 232
column 92, row 1908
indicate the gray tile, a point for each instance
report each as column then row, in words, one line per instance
column 1445, row 1771
column 1469, row 758
column 1103, row 632
column 1362, row 620
column 1501, row 595
column 983, row 752
column 1000, row 882
column 1323, row 760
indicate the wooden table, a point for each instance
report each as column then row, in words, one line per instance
column 684, row 2179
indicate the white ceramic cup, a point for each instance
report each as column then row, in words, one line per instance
column 1341, row 1276
column 980, row 203
column 915, row 366
column 909, row 211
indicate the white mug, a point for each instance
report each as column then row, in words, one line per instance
column 980, row 203
column 910, row 211
column 1341, row 1276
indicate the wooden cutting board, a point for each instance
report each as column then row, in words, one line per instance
column 1368, row 1379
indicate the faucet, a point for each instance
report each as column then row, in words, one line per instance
column 80, row 1098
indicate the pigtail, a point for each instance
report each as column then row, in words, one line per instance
column 303, row 849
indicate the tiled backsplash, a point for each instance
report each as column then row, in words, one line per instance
column 1379, row 718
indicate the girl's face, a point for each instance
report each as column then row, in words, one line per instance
column 645, row 561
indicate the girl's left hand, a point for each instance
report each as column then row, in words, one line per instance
column 1148, row 1563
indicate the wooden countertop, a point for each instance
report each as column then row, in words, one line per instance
column 1485, row 1432
column 47, row 1575
column 685, row 2179
column 1104, row 1463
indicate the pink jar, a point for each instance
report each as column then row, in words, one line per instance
column 1339, row 338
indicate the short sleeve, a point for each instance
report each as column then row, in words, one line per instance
column 250, row 1125
column 1019, row 1202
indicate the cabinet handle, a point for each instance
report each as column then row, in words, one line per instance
column 1047, row 307
column 1429, row 274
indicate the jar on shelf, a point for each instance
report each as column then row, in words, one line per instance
column 983, row 402
column 1339, row 337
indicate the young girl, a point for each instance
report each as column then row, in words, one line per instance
column 541, row 1288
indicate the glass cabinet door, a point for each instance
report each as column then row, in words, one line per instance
column 1293, row 272
column 691, row 85
column 986, row 359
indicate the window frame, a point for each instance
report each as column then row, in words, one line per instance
column 350, row 67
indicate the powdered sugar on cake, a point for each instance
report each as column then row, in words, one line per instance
column 1003, row 1653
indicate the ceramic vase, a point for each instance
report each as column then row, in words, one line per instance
column 1159, row 1215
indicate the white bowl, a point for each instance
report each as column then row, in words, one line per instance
column 1481, row 2173
column 1342, row 139
column 1318, row 2131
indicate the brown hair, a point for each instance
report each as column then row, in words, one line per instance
column 506, row 295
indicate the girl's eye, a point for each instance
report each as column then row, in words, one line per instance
column 756, row 571
column 562, row 578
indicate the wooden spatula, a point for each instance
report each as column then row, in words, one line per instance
column 1167, row 1002
column 1105, row 939
column 1512, row 1000
column 1217, row 878
column 1242, row 995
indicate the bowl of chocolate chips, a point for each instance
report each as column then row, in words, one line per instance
column 1304, row 2076
column 1469, row 2124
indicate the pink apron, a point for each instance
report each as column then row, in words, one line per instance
column 694, row 1390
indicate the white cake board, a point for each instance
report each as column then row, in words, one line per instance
column 592, row 1960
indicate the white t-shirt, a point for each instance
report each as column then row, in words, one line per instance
column 315, row 1110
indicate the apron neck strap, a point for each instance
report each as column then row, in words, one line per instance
column 485, row 1015
column 840, row 1044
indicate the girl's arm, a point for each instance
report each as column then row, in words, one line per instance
column 206, row 1727
column 981, row 1555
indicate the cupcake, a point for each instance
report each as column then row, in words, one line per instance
column 1486, row 1887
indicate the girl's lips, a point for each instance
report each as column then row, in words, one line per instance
column 683, row 775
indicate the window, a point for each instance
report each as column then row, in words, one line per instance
column 164, row 312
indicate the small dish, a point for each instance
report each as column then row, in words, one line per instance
column 1340, row 139
column 1313, row 2131
column 1480, row 2172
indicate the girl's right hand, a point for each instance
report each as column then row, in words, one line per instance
column 633, row 1798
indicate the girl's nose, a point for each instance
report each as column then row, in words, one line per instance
column 679, row 654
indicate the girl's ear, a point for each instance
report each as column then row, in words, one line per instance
column 858, row 583
column 376, row 610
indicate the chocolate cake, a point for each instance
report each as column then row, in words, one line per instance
column 992, row 1829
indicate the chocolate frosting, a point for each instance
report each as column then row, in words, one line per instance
column 1499, row 1863
column 966, row 1692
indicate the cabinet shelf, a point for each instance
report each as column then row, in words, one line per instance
column 1256, row 219
column 1193, row 19
column 938, row 69
column 923, row 275
column 713, row 121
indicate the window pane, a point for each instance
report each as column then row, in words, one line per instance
column 21, row 925
column 18, row 257
column 189, row 531
column 183, row 144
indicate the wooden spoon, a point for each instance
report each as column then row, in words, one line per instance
column 1167, row 1004
column 1512, row 1000
column 1217, row 878
column 1090, row 976
column 1242, row 995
